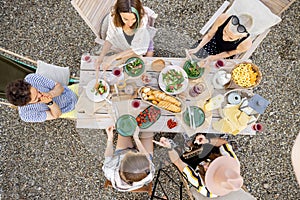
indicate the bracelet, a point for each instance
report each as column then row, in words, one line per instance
column 49, row 103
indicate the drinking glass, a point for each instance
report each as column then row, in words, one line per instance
column 257, row 127
column 135, row 103
column 146, row 78
column 196, row 89
column 86, row 57
column 219, row 63
column 117, row 71
column 129, row 89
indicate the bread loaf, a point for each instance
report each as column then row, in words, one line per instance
column 161, row 99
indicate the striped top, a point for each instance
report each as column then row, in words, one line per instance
column 195, row 179
column 37, row 112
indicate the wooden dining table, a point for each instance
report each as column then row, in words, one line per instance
column 102, row 114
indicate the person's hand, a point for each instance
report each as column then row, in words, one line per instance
column 200, row 139
column 110, row 132
column 192, row 51
column 136, row 133
column 45, row 98
column 48, row 95
column 164, row 142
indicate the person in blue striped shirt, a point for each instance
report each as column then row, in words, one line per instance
column 216, row 176
column 39, row 98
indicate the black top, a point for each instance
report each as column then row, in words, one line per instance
column 217, row 45
column 226, row 45
column 128, row 38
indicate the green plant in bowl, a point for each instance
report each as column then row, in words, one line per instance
column 134, row 66
column 192, row 69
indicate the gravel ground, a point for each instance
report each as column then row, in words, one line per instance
column 54, row 160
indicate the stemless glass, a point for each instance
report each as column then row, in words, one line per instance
column 219, row 63
column 135, row 103
column 129, row 89
column 86, row 57
column 117, row 71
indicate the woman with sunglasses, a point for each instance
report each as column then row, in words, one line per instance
column 228, row 36
column 129, row 32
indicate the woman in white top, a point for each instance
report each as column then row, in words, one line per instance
column 129, row 168
column 127, row 32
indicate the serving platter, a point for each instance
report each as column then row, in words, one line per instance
column 148, row 117
column 152, row 96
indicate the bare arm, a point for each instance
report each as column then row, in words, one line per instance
column 54, row 111
column 174, row 157
column 109, row 151
column 139, row 144
column 122, row 55
column 106, row 47
column 244, row 46
column 57, row 90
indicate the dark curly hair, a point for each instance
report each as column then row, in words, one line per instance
column 18, row 92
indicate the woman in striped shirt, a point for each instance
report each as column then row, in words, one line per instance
column 198, row 177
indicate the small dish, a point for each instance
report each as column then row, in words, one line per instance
column 134, row 66
column 192, row 69
column 126, row 125
column 172, row 123
column 199, row 116
column 234, row 98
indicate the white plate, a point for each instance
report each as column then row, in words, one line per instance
column 91, row 95
column 162, row 85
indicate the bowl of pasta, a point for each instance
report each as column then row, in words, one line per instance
column 245, row 75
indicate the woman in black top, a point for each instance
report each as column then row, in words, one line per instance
column 228, row 36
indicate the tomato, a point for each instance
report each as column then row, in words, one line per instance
column 171, row 124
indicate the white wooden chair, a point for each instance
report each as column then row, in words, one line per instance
column 94, row 13
column 272, row 8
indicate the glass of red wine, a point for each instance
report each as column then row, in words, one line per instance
column 219, row 63
column 135, row 103
column 86, row 57
column 257, row 127
column 117, row 71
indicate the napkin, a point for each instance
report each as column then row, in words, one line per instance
column 84, row 104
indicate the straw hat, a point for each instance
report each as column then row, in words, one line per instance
column 223, row 176
column 296, row 158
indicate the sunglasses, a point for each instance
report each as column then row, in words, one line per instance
column 240, row 28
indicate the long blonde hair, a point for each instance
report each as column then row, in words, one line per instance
column 134, row 167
